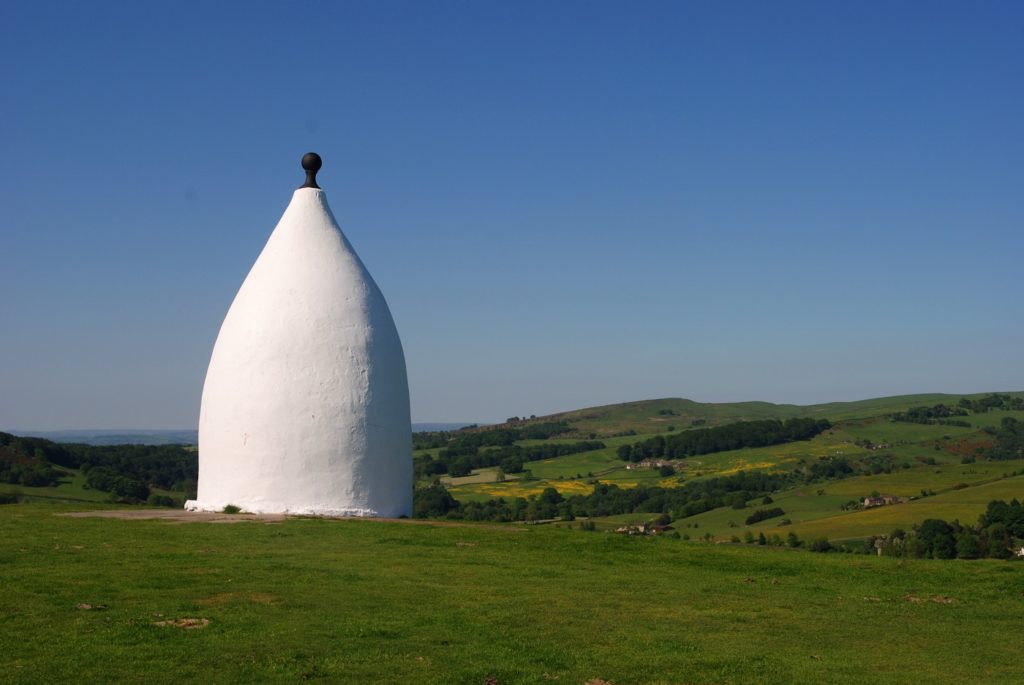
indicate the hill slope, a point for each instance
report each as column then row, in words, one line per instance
column 654, row 416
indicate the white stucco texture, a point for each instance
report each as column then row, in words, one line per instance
column 305, row 408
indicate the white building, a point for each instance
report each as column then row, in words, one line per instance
column 305, row 407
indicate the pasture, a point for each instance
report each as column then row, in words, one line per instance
column 815, row 509
column 107, row 600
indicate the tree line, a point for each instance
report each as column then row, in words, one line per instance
column 510, row 458
column 606, row 499
column 938, row 414
column 1008, row 440
column 682, row 501
column 992, row 401
column 126, row 471
column 992, row 537
column 472, row 436
column 722, row 438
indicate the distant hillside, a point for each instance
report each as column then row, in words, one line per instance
column 655, row 416
column 117, row 436
column 184, row 436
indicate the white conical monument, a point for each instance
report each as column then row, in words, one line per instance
column 305, row 408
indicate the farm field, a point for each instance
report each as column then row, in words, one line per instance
column 908, row 459
column 605, row 466
column 964, row 505
column 381, row 602
column 819, row 515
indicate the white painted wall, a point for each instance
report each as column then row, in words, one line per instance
column 305, row 408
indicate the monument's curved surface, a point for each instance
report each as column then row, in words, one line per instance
column 305, row 407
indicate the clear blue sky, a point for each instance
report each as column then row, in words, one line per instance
column 565, row 203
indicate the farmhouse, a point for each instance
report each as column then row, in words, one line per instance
column 644, row 529
column 881, row 500
column 650, row 464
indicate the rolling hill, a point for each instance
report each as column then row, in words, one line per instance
column 940, row 458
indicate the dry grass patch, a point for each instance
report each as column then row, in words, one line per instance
column 184, row 623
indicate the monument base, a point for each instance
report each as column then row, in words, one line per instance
column 328, row 512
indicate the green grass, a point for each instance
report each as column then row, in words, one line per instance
column 374, row 602
column 71, row 489
column 965, row 505
column 815, row 515
column 909, row 443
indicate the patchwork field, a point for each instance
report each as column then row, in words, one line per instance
column 815, row 509
column 107, row 600
column 914, row 458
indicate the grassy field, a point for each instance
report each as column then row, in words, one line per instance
column 929, row 456
column 378, row 602
column 965, row 505
column 908, row 441
column 819, row 515
column 70, row 489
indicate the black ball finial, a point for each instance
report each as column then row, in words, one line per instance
column 311, row 162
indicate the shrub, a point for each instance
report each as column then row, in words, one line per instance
column 156, row 500
column 762, row 514
column 432, row 501
column 232, row 509
column 820, row 545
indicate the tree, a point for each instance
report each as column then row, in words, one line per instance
column 967, row 546
column 432, row 501
column 915, row 547
column 819, row 545
column 938, row 537
column 998, row 541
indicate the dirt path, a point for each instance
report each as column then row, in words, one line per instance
column 182, row 516
column 177, row 516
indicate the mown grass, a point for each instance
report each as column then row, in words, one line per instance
column 376, row 602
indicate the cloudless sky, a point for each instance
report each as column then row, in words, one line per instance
column 566, row 204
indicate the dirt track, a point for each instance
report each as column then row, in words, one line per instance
column 177, row 516
column 182, row 516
